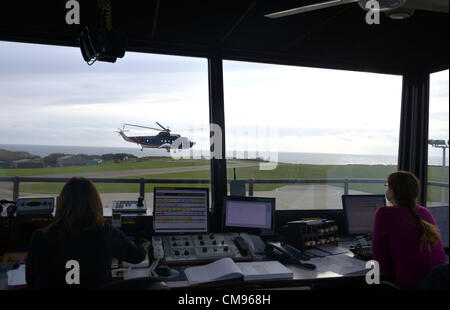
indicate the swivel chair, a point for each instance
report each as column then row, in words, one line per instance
column 436, row 279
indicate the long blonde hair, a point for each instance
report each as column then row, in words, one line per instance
column 79, row 208
column 405, row 187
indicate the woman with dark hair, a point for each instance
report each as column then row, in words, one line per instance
column 406, row 240
column 77, row 233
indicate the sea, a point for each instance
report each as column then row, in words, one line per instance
column 282, row 157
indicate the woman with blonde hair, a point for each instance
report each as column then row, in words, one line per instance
column 406, row 240
column 77, row 233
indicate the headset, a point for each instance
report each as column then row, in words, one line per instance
column 10, row 210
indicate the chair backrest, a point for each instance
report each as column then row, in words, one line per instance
column 146, row 283
column 436, row 279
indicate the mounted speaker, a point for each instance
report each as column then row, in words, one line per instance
column 102, row 45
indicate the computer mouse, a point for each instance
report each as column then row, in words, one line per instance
column 163, row 271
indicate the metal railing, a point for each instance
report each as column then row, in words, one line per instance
column 17, row 180
column 250, row 182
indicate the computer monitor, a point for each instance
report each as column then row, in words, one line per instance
column 254, row 215
column 180, row 210
column 359, row 211
column 440, row 215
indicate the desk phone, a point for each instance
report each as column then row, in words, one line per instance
column 287, row 254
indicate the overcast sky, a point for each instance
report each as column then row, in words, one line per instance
column 50, row 96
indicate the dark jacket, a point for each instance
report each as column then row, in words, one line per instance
column 93, row 250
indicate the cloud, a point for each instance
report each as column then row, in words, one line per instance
column 48, row 95
column 439, row 85
column 25, row 58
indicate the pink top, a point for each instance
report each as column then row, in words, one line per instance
column 396, row 245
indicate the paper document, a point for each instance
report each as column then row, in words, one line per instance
column 317, row 252
column 222, row 269
column 331, row 249
column 340, row 264
column 136, row 273
column 264, row 270
column 16, row 277
column 226, row 268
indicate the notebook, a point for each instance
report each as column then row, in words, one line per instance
column 226, row 269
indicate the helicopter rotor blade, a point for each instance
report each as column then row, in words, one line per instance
column 165, row 129
column 121, row 131
column 183, row 130
column 142, row 127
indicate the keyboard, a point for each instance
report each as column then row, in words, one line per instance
column 128, row 206
column 364, row 252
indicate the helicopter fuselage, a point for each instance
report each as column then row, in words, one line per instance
column 161, row 140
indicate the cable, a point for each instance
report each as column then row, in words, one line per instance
column 156, row 265
column 121, row 269
column 153, row 267
column 106, row 6
column 92, row 61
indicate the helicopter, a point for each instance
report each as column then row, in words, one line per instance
column 163, row 140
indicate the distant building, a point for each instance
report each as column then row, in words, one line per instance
column 5, row 165
column 71, row 160
column 93, row 162
column 27, row 163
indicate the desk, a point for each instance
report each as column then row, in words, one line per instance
column 302, row 278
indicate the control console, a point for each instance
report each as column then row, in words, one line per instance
column 129, row 206
column 199, row 248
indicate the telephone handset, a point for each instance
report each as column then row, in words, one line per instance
column 255, row 243
column 158, row 250
column 287, row 254
column 278, row 252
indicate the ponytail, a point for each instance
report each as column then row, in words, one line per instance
column 405, row 187
column 429, row 233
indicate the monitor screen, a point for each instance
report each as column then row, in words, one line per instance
column 180, row 210
column 249, row 214
column 360, row 211
column 440, row 215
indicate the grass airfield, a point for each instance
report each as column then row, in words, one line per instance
column 166, row 168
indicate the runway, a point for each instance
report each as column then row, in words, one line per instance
column 289, row 197
column 6, row 193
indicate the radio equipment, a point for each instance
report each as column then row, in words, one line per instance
column 35, row 206
column 305, row 234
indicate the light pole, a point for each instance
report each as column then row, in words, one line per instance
column 443, row 145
